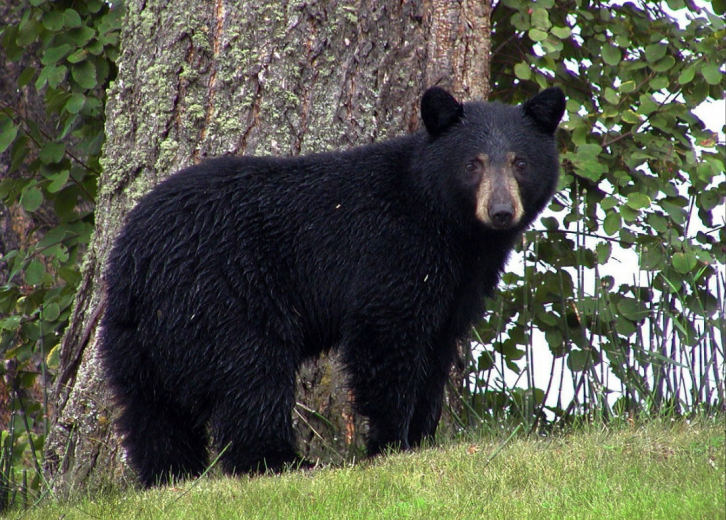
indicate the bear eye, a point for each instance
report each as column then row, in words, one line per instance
column 520, row 164
column 473, row 172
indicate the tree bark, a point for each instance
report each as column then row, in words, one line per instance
column 199, row 79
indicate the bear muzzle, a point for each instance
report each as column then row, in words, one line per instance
column 501, row 215
column 498, row 202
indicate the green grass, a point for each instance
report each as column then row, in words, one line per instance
column 663, row 469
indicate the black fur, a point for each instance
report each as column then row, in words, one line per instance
column 231, row 273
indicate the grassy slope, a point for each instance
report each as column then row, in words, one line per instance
column 658, row 470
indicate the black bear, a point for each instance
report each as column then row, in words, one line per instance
column 230, row 274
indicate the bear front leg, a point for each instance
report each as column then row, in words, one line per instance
column 252, row 420
column 387, row 423
column 426, row 417
column 384, row 379
column 431, row 395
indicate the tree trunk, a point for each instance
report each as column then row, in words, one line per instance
column 199, row 80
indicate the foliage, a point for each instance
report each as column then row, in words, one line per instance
column 641, row 180
column 74, row 46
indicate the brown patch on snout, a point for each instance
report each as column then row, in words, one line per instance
column 498, row 202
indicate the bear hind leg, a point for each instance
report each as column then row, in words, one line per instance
column 162, row 444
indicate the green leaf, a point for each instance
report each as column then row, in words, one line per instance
column 554, row 339
column 55, row 54
column 664, row 64
column 102, row 70
column 52, row 152
column 632, row 309
column 72, row 276
column 10, row 323
column 651, row 258
column 638, row 201
column 53, row 20
column 707, row 200
column 647, row 105
column 486, row 361
column 687, row 75
column 31, row 199
column 52, row 360
column 78, row 56
column 540, row 18
column 579, row 360
column 712, row 74
column 56, row 100
column 81, row 36
column 58, row 181
column 7, row 136
column 34, row 272
column 18, row 153
column 29, row 32
column 53, row 236
column 676, row 212
column 85, row 74
column 65, row 202
column 51, row 312
column 537, row 35
column 603, row 251
column 26, row 76
column 94, row 6
column 698, row 94
column 590, row 169
column 627, row 87
column 52, row 74
column 684, row 262
column 95, row 48
column 627, row 237
column 75, row 103
column 611, row 55
column 655, row 51
column 71, row 19
column 70, row 123
column 522, row 71
column 550, row 223
column 9, row 41
column 659, row 83
column 628, row 214
column 589, row 150
column 609, row 202
column 630, row 117
column 611, row 96
column 657, row 222
column 561, row 32
column 612, row 223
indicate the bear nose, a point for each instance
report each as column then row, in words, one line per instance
column 501, row 215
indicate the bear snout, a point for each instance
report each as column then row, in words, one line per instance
column 501, row 215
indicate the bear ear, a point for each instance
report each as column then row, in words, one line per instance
column 439, row 110
column 546, row 109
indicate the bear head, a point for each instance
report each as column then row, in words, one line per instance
column 492, row 162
